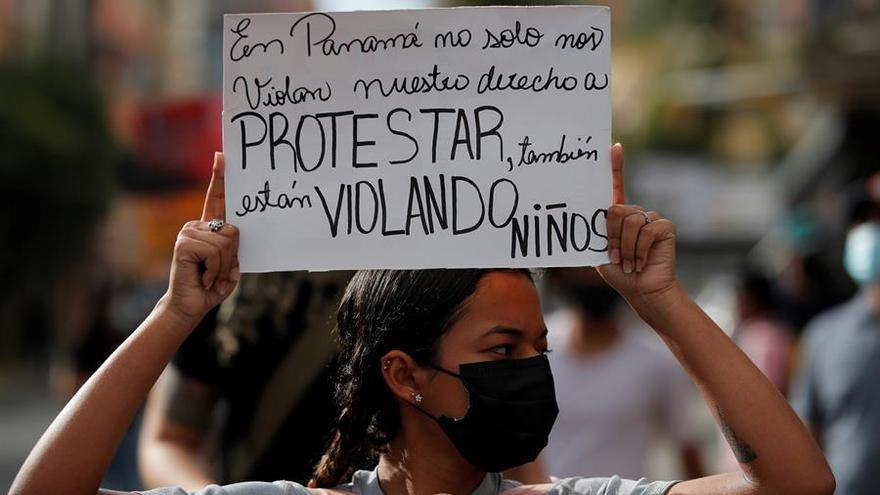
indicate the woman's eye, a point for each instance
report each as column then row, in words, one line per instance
column 502, row 350
column 546, row 351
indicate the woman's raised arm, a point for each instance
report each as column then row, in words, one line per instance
column 74, row 452
column 776, row 453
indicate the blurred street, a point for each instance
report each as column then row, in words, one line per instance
column 26, row 409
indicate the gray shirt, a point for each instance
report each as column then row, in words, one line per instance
column 838, row 392
column 367, row 483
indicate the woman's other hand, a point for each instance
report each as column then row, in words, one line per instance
column 205, row 266
column 778, row 455
column 641, row 246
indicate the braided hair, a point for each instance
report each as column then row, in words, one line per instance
column 384, row 310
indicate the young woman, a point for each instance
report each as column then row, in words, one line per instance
column 444, row 381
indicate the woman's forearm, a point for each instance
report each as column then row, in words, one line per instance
column 74, row 452
column 776, row 452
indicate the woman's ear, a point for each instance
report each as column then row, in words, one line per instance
column 403, row 376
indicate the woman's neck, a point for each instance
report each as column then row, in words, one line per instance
column 424, row 466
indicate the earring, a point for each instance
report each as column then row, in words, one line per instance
column 418, row 398
column 387, row 365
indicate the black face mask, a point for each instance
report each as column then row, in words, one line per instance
column 512, row 410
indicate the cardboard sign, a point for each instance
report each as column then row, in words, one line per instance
column 442, row 138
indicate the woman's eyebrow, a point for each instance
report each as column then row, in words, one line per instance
column 502, row 330
column 515, row 332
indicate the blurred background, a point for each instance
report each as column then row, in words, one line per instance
column 750, row 123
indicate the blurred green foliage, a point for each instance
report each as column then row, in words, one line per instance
column 56, row 171
column 701, row 77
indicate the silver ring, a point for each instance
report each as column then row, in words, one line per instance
column 215, row 224
column 646, row 215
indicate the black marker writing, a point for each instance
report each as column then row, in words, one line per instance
column 507, row 38
column 263, row 199
column 591, row 81
column 528, row 156
column 538, row 235
column 433, row 204
column 404, row 134
column 329, row 46
column 491, row 81
column 237, row 53
column 581, row 40
column 459, row 39
column 264, row 93
column 305, row 144
column 433, row 81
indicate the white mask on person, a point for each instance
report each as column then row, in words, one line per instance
column 862, row 253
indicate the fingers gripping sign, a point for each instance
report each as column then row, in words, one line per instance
column 641, row 244
column 205, row 266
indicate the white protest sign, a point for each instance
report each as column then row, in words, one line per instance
column 442, row 138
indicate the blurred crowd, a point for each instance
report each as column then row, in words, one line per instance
column 752, row 124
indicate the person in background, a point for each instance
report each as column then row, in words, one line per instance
column 253, row 379
column 837, row 392
column 761, row 334
column 644, row 393
column 807, row 283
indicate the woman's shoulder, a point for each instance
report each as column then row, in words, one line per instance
column 595, row 486
column 361, row 485
column 249, row 488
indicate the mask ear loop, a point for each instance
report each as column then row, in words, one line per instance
column 418, row 397
column 419, row 409
column 454, row 375
column 444, row 370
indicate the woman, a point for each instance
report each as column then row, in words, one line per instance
column 444, row 378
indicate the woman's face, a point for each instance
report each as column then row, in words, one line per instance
column 501, row 320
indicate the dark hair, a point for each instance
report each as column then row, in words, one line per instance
column 384, row 310
column 863, row 210
column 760, row 290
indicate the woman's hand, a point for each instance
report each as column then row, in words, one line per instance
column 777, row 454
column 205, row 266
column 641, row 246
